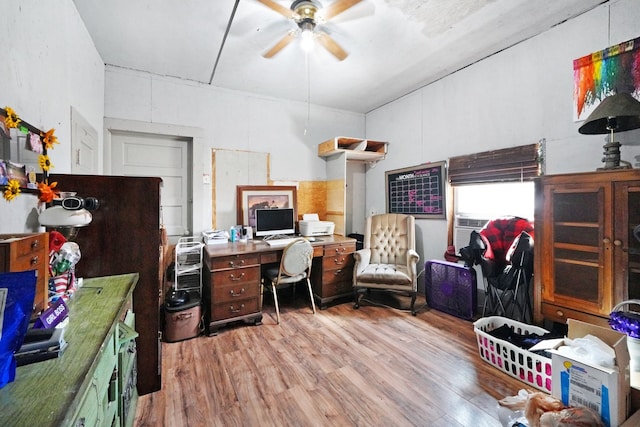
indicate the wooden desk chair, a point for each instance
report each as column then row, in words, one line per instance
column 295, row 266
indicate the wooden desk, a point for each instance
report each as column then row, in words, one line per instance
column 232, row 279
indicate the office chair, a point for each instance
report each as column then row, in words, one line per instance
column 388, row 260
column 295, row 265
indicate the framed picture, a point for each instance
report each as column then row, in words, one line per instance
column 603, row 73
column 251, row 197
column 418, row 190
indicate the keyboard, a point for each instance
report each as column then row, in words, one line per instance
column 279, row 243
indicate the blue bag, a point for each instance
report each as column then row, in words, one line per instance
column 17, row 293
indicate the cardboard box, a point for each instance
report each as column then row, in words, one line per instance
column 603, row 389
column 633, row 421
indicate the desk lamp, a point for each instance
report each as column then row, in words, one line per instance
column 619, row 113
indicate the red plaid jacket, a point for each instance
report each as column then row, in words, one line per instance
column 500, row 233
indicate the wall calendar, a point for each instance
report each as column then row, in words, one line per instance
column 418, row 190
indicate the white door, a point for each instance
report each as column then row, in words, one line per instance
column 168, row 157
column 84, row 145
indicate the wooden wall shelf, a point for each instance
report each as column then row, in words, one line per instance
column 354, row 148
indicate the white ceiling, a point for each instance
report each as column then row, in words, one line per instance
column 394, row 46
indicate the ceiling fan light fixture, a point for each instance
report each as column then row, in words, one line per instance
column 306, row 36
column 306, row 41
column 307, row 14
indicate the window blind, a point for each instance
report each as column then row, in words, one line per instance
column 514, row 164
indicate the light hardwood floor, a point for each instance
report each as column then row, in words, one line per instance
column 373, row 366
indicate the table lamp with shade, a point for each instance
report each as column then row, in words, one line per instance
column 616, row 113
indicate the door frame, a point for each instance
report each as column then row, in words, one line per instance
column 201, row 194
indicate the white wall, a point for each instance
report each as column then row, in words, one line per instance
column 515, row 97
column 48, row 64
column 230, row 120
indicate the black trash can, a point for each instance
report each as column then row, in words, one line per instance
column 359, row 240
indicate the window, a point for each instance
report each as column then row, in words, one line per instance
column 492, row 184
column 494, row 200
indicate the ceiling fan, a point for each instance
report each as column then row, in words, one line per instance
column 307, row 14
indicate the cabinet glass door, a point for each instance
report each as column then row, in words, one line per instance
column 580, row 247
column 627, row 240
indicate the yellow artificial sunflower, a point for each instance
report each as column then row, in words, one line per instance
column 45, row 162
column 11, row 120
column 12, row 190
column 47, row 192
column 48, row 139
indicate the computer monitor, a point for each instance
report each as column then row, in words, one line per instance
column 271, row 222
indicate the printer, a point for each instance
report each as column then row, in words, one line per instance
column 312, row 226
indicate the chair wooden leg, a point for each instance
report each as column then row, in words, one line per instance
column 275, row 300
column 356, row 298
column 313, row 303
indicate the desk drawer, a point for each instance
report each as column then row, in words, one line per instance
column 339, row 249
column 333, row 289
column 31, row 261
column 270, row 257
column 235, row 291
column 235, row 277
column 232, row 309
column 31, row 245
column 234, row 261
column 336, row 262
column 337, row 275
column 274, row 257
column 561, row 314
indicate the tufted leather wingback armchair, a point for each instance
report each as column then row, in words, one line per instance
column 388, row 259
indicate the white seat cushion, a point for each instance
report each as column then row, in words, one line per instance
column 389, row 274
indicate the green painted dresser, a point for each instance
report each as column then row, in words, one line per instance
column 93, row 382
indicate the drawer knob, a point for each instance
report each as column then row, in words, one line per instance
column 233, row 263
column 234, row 294
column 34, row 260
column 236, row 310
column 35, row 244
column 338, row 261
column 235, row 278
column 560, row 313
column 338, row 272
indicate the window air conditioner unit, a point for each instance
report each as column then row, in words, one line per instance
column 462, row 230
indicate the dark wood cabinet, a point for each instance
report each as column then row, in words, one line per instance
column 587, row 258
column 124, row 237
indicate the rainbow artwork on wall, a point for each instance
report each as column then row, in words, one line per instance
column 615, row 69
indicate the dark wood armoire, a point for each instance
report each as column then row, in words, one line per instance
column 124, row 237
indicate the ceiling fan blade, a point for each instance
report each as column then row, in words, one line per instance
column 331, row 45
column 288, row 13
column 338, row 7
column 288, row 38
